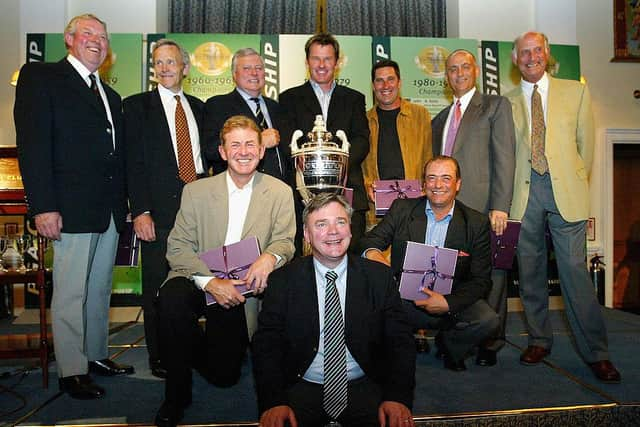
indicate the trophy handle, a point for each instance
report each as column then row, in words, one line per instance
column 342, row 137
column 294, row 141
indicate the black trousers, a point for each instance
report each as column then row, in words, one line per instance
column 363, row 399
column 461, row 333
column 154, row 272
column 217, row 352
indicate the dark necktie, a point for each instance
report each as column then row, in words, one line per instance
column 259, row 116
column 538, row 130
column 96, row 91
column 186, row 167
column 262, row 122
column 454, row 123
column 335, row 359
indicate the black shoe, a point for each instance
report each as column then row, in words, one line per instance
column 156, row 368
column 486, row 357
column 169, row 415
column 454, row 365
column 109, row 368
column 81, row 387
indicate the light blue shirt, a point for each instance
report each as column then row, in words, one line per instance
column 315, row 372
column 324, row 98
column 437, row 230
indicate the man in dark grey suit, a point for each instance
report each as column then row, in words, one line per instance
column 69, row 138
column 483, row 143
column 438, row 219
column 295, row 350
column 153, row 177
column 247, row 100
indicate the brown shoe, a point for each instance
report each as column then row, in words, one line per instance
column 605, row 371
column 533, row 355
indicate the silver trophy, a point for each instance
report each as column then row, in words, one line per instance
column 321, row 165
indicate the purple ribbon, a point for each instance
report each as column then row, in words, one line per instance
column 395, row 188
column 432, row 274
column 228, row 274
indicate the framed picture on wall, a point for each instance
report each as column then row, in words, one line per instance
column 626, row 30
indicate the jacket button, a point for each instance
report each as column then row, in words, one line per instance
column 526, row 182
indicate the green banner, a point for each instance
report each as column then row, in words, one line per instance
column 210, row 56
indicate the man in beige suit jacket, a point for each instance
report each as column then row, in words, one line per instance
column 216, row 211
column 551, row 189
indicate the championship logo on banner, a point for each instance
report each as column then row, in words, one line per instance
column 353, row 69
column 500, row 76
column 422, row 66
column 122, row 69
column 210, row 56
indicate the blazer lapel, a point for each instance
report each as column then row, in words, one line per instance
column 521, row 117
column 465, row 131
column 240, row 105
column 457, row 230
column 355, row 294
column 159, row 117
column 418, row 222
column 259, row 198
column 220, row 205
column 311, row 100
column 307, row 296
column 79, row 86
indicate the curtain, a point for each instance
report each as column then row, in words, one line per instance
column 411, row 18
column 243, row 16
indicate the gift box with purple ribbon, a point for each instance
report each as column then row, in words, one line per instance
column 231, row 262
column 387, row 190
column 428, row 267
column 503, row 248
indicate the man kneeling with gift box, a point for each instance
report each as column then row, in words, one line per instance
column 462, row 317
column 224, row 209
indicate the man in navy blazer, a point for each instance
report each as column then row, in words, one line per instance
column 292, row 344
column 154, row 184
column 249, row 76
column 69, row 139
column 438, row 219
column 342, row 108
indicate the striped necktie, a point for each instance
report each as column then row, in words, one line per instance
column 186, row 166
column 538, row 130
column 259, row 115
column 335, row 359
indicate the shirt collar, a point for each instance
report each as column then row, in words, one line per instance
column 316, row 87
column 246, row 96
column 81, row 69
column 166, row 93
column 429, row 211
column 543, row 85
column 465, row 99
column 322, row 269
column 231, row 186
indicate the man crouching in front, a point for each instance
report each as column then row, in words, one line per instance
column 333, row 344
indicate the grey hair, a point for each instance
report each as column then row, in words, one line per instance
column 169, row 42
column 514, row 49
column 72, row 26
column 240, row 53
